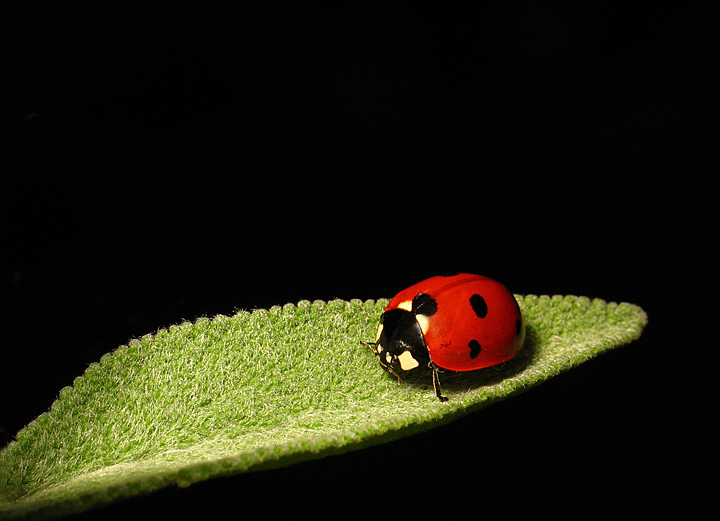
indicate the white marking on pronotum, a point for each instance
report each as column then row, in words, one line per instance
column 407, row 305
column 407, row 361
column 424, row 323
column 379, row 332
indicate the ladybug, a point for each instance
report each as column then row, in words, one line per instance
column 462, row 322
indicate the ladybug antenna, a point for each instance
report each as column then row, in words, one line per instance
column 436, row 382
column 371, row 345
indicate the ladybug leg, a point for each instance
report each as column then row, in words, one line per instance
column 393, row 372
column 436, row 382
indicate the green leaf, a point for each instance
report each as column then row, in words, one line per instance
column 265, row 389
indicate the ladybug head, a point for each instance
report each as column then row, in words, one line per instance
column 400, row 343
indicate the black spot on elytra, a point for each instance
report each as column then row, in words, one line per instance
column 424, row 304
column 474, row 348
column 479, row 305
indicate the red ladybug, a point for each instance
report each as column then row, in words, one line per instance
column 461, row 323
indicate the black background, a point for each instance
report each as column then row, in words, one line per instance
column 162, row 162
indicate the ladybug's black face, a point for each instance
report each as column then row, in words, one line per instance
column 400, row 342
